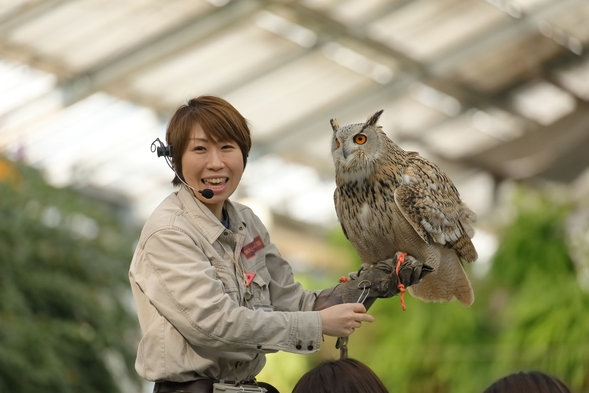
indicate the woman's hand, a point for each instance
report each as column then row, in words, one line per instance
column 342, row 319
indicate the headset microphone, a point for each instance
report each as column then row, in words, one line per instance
column 207, row 193
column 166, row 152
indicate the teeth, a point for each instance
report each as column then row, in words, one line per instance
column 216, row 180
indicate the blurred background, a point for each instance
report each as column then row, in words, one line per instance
column 494, row 91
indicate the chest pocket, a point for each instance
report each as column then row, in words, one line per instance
column 226, row 274
column 259, row 287
column 227, row 277
column 223, row 264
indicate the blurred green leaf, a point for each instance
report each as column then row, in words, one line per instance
column 64, row 292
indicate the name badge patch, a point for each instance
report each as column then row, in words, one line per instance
column 250, row 249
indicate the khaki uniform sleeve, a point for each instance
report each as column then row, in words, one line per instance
column 177, row 277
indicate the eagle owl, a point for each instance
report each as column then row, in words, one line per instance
column 389, row 200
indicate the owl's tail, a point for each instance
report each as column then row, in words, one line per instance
column 449, row 281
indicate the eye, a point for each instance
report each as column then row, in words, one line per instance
column 360, row 139
column 337, row 143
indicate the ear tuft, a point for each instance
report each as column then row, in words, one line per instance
column 334, row 125
column 374, row 118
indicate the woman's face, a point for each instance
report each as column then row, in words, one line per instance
column 214, row 165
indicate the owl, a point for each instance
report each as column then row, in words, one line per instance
column 389, row 200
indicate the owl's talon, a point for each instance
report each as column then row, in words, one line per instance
column 359, row 271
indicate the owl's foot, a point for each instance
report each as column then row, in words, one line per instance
column 400, row 286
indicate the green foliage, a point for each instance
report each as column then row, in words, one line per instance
column 525, row 256
column 530, row 313
column 64, row 293
column 543, row 322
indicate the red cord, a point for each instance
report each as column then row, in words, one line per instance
column 400, row 286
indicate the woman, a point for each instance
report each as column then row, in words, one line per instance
column 340, row 376
column 213, row 294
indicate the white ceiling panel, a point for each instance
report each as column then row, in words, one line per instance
column 83, row 33
column 427, row 27
column 277, row 100
column 212, row 66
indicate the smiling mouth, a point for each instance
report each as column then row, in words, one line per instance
column 215, row 182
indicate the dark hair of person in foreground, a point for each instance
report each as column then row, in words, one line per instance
column 528, row 382
column 340, row 376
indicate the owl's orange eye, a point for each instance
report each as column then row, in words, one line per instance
column 337, row 143
column 360, row 139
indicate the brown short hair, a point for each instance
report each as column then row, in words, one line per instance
column 530, row 381
column 340, row 376
column 219, row 120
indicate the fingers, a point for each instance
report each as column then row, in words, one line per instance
column 355, row 307
column 353, row 325
column 359, row 311
column 341, row 320
column 364, row 318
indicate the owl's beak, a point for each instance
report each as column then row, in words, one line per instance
column 345, row 153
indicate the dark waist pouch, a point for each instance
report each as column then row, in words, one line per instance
column 206, row 386
column 198, row 386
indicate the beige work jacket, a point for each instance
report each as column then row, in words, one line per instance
column 198, row 315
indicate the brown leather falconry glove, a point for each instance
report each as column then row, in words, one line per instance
column 378, row 281
column 381, row 280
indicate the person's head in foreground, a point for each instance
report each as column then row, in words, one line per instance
column 340, row 376
column 528, row 382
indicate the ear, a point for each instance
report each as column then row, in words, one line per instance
column 334, row 125
column 374, row 118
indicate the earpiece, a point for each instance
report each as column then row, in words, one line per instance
column 161, row 150
column 166, row 152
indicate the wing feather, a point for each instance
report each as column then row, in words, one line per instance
column 430, row 202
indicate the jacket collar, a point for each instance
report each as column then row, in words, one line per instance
column 204, row 219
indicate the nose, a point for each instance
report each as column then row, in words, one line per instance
column 215, row 159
